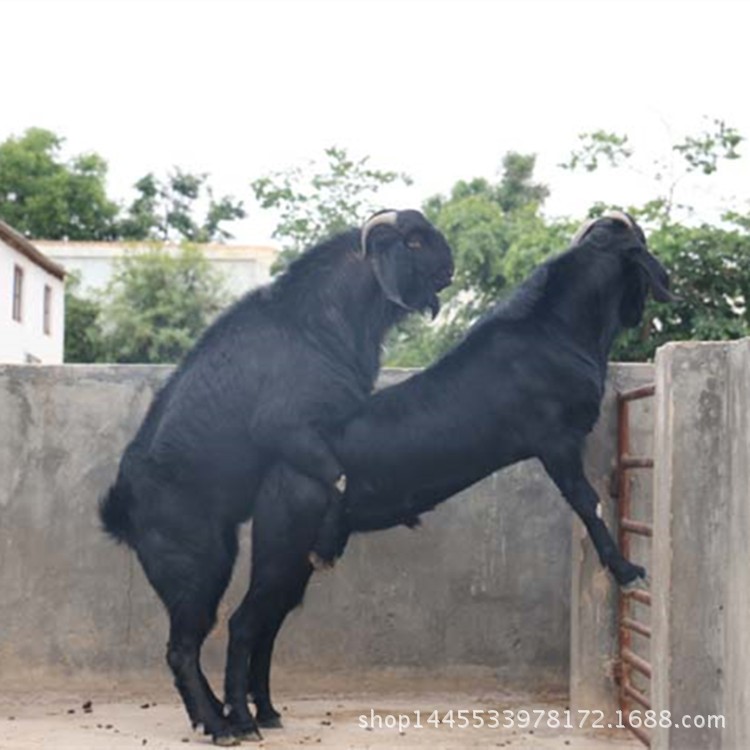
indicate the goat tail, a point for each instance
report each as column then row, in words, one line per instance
column 114, row 512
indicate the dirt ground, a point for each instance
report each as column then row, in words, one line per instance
column 60, row 717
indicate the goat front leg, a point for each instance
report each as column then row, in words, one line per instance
column 333, row 534
column 566, row 471
column 309, row 453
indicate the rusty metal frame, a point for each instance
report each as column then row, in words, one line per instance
column 626, row 623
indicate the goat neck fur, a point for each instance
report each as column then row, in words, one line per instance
column 331, row 295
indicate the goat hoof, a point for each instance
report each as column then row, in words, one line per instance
column 632, row 579
column 226, row 740
column 341, row 484
column 251, row 736
column 319, row 563
column 270, row 722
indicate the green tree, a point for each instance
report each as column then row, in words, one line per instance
column 709, row 266
column 700, row 154
column 597, row 147
column 168, row 210
column 44, row 196
column 710, row 273
column 317, row 200
column 498, row 236
column 157, row 305
column 83, row 334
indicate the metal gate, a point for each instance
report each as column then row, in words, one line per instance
column 630, row 662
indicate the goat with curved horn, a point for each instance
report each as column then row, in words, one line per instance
column 259, row 389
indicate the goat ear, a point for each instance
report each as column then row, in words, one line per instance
column 657, row 275
column 634, row 299
column 393, row 265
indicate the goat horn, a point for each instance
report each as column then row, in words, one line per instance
column 620, row 216
column 578, row 236
column 382, row 217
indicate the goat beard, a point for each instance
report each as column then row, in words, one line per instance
column 433, row 303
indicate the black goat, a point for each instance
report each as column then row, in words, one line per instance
column 527, row 381
column 262, row 385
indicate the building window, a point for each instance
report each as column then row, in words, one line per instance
column 47, row 309
column 17, row 293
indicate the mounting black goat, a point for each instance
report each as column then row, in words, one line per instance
column 527, row 381
column 264, row 383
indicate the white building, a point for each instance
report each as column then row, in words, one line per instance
column 243, row 267
column 32, row 302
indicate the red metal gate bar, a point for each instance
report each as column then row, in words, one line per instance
column 637, row 393
column 644, row 597
column 636, row 527
column 638, row 696
column 639, row 732
column 637, row 662
column 636, row 626
column 636, row 462
column 627, row 525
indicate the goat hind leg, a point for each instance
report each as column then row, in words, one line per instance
column 190, row 584
column 291, row 592
column 183, row 657
column 287, row 513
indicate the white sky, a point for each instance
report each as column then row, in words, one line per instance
column 439, row 89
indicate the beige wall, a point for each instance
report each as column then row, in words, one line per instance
column 243, row 267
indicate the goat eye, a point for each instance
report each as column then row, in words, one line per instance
column 414, row 244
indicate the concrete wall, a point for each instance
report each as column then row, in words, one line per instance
column 485, row 582
column 697, row 428
column 701, row 575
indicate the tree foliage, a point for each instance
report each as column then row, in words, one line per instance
column 44, row 196
column 84, row 340
column 709, row 266
column 704, row 151
column 597, row 147
column 710, row 273
column 498, row 235
column 319, row 199
column 157, row 305
column 169, row 210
